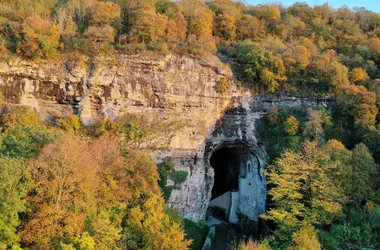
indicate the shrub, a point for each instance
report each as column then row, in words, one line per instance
column 222, row 85
column 70, row 124
column 134, row 133
column 178, row 176
column 273, row 115
column 24, row 116
column 105, row 127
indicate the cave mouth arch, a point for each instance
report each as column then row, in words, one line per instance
column 231, row 163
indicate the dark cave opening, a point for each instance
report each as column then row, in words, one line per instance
column 226, row 163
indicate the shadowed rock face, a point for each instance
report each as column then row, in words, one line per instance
column 171, row 89
column 234, row 147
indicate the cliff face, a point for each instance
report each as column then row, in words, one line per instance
column 168, row 91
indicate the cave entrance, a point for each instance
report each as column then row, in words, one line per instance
column 235, row 185
column 226, row 163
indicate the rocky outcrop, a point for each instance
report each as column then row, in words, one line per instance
column 172, row 90
column 235, row 130
column 166, row 89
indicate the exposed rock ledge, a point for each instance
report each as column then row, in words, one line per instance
column 171, row 89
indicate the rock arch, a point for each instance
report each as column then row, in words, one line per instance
column 237, row 179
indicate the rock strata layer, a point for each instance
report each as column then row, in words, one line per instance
column 172, row 90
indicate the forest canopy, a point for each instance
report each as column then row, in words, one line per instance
column 304, row 49
column 323, row 172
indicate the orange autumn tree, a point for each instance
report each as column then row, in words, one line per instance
column 358, row 76
column 101, row 17
column 176, row 29
column 360, row 104
column 83, row 193
column 64, row 177
column 39, row 37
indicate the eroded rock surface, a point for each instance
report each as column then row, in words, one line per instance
column 171, row 89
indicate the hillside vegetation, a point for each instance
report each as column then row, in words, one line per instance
column 66, row 186
column 296, row 49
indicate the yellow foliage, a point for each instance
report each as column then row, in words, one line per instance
column 104, row 13
column 224, row 27
column 40, row 37
column 201, row 26
column 249, row 27
column 305, row 239
column 338, row 76
column 358, row 75
column 269, row 80
column 70, row 124
column 374, row 45
column 148, row 26
column 24, row 116
column 291, row 125
column 151, row 228
column 296, row 58
column 302, row 188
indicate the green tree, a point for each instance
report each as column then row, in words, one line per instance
column 302, row 190
column 360, row 230
column 13, row 190
column 360, row 184
column 273, row 115
column 314, row 127
column 25, row 141
column 261, row 69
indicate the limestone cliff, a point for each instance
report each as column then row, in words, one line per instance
column 167, row 90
